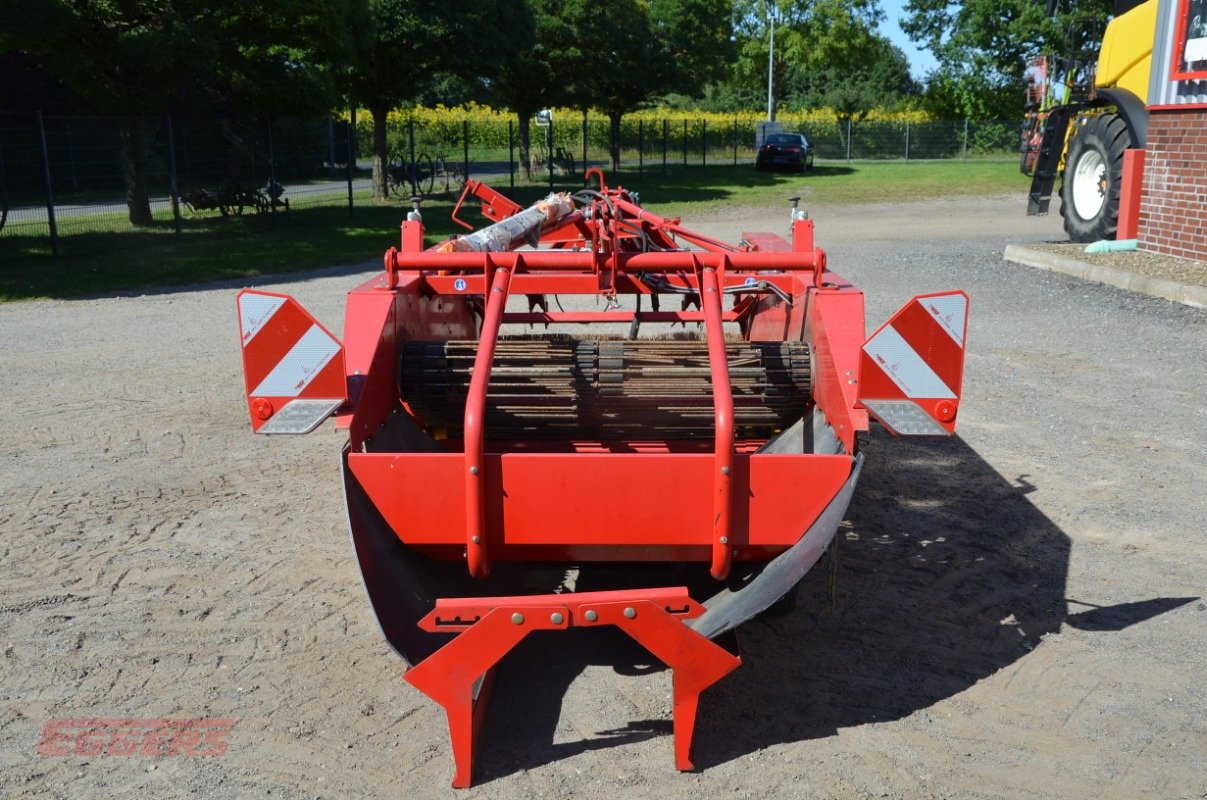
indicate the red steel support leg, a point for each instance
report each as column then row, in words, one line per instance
column 476, row 555
column 710, row 301
column 451, row 674
column 491, row 627
column 697, row 662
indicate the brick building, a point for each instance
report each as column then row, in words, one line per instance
column 1173, row 199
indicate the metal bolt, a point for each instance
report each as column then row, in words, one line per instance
column 711, row 290
column 476, row 539
column 852, row 380
column 724, row 470
column 724, row 540
column 473, row 470
column 590, row 615
column 556, row 618
column 517, row 618
column 630, row 612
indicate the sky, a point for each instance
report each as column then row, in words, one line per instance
column 920, row 61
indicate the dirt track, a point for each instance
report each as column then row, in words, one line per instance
column 1017, row 611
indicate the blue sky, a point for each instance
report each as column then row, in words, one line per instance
column 921, row 61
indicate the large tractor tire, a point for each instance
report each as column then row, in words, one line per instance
column 1093, row 177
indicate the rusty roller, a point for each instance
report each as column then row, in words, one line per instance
column 562, row 387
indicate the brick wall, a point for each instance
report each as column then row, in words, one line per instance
column 1173, row 203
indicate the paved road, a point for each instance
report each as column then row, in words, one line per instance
column 35, row 215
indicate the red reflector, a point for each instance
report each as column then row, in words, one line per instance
column 793, row 149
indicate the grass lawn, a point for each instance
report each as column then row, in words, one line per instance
column 214, row 248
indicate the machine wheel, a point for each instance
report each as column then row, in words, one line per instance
column 397, row 180
column 425, row 174
column 1093, row 177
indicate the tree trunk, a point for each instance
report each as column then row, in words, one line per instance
column 525, row 119
column 135, row 170
column 614, row 139
column 380, row 152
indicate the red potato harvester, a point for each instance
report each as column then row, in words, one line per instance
column 496, row 471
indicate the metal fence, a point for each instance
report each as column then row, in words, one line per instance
column 68, row 176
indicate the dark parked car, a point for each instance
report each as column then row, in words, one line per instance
column 787, row 150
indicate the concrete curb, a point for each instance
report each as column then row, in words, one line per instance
column 1187, row 293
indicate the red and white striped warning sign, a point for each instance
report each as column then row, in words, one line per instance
column 912, row 369
column 287, row 355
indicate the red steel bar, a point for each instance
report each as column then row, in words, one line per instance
column 476, row 554
column 563, row 282
column 553, row 260
column 541, row 317
column 673, row 226
column 710, row 301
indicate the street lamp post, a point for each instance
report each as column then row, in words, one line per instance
column 771, row 62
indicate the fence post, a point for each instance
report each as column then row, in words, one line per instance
column 640, row 147
column 584, row 145
column 549, row 150
column 272, row 177
column 465, row 141
column 331, row 143
column 510, row 155
column 907, row 140
column 734, row 136
column 184, row 153
column 173, row 182
column 411, row 157
column 351, row 153
column 685, row 143
column 54, row 228
column 848, row 140
column 964, row 152
column 704, row 144
column 665, row 130
column 75, row 183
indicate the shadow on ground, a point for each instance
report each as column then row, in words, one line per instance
column 944, row 575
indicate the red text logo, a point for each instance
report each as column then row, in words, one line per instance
column 135, row 737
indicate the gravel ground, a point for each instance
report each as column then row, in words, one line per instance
column 1016, row 612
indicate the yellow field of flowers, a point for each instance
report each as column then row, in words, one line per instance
column 488, row 127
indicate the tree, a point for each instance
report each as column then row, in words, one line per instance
column 404, row 45
column 879, row 79
column 614, row 71
column 691, row 43
column 982, row 46
column 612, row 56
column 870, row 72
column 131, row 57
column 529, row 77
column 813, row 38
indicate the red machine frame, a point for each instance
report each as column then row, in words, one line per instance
column 731, row 500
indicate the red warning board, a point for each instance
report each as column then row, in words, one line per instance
column 912, row 368
column 287, row 355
